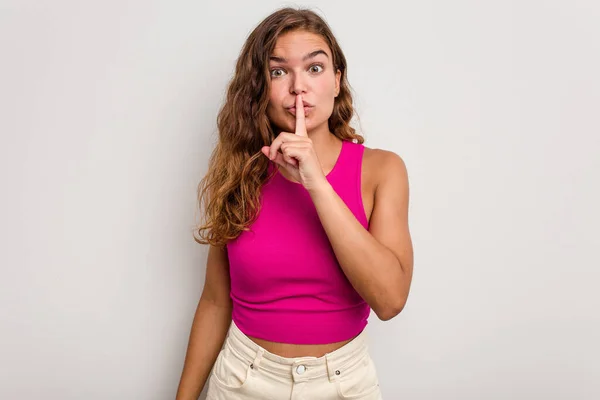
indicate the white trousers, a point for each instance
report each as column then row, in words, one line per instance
column 246, row 371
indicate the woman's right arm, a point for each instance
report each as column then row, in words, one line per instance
column 209, row 328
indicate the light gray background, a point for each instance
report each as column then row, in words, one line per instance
column 108, row 117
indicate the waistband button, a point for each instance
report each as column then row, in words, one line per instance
column 300, row 369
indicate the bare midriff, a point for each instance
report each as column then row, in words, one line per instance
column 290, row 350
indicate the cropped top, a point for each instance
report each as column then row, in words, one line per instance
column 286, row 283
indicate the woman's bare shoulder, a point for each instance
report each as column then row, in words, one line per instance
column 380, row 165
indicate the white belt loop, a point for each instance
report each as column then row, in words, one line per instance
column 257, row 358
column 331, row 372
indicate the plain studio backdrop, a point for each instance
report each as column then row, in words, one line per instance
column 108, row 116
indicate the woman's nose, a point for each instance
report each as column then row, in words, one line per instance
column 298, row 85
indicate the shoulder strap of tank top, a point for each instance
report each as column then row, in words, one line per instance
column 348, row 165
column 354, row 152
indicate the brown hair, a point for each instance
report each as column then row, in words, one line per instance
column 237, row 168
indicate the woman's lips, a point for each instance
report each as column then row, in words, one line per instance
column 307, row 109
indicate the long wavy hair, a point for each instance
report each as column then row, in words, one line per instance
column 230, row 190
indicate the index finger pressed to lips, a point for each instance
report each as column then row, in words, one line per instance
column 300, row 118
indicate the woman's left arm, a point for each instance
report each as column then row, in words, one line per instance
column 378, row 262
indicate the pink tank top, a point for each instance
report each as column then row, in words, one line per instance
column 286, row 283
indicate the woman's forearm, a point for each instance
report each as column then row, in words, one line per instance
column 372, row 269
column 207, row 336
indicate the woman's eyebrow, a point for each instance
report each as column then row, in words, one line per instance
column 306, row 57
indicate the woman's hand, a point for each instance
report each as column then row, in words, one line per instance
column 297, row 156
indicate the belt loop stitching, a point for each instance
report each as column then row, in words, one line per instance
column 258, row 357
column 330, row 372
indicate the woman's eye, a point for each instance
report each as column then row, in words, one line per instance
column 316, row 68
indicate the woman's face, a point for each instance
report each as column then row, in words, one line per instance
column 301, row 63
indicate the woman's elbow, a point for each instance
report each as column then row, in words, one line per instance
column 388, row 312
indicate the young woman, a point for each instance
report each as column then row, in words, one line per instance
column 308, row 229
